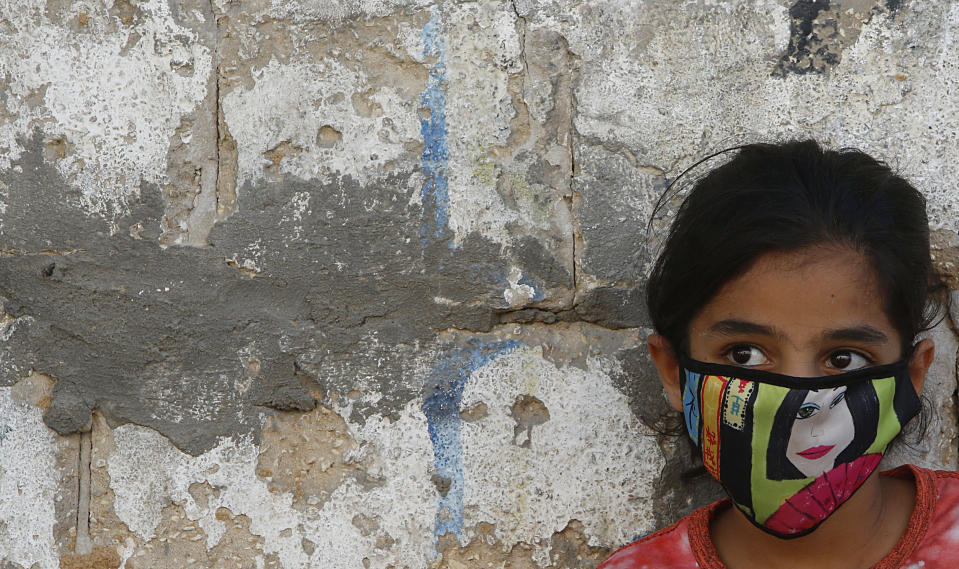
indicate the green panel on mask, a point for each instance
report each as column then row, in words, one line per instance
column 768, row 495
column 889, row 425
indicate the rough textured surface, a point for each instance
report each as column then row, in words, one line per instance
column 123, row 95
column 307, row 455
column 360, row 284
column 322, row 490
column 29, row 481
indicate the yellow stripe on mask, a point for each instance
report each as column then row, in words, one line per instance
column 712, row 400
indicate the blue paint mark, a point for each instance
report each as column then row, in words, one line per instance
column 436, row 154
column 442, row 408
column 489, row 273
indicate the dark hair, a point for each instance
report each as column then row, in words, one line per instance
column 788, row 196
column 862, row 402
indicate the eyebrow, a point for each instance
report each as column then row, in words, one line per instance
column 732, row 327
column 864, row 333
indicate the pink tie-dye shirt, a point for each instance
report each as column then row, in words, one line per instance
column 931, row 540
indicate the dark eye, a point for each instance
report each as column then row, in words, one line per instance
column 847, row 360
column 807, row 410
column 746, row 355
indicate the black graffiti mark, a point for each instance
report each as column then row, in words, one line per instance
column 803, row 39
column 819, row 33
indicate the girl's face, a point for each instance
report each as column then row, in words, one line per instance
column 806, row 313
column 822, row 429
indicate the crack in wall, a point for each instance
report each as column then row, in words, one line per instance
column 572, row 134
column 594, row 309
column 217, row 101
column 553, row 61
column 84, row 545
column 8, row 252
column 226, row 149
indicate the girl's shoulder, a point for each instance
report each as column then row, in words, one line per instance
column 931, row 540
column 683, row 545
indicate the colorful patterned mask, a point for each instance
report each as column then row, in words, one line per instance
column 790, row 450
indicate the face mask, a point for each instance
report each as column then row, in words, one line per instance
column 790, row 450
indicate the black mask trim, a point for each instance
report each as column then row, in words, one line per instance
column 792, row 382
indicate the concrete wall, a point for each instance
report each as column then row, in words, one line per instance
column 358, row 283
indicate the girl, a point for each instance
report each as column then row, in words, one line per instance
column 786, row 304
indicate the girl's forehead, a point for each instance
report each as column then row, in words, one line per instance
column 801, row 294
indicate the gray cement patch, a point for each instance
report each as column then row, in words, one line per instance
column 616, row 199
column 307, row 289
column 614, row 307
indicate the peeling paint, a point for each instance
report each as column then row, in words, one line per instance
column 308, row 10
column 357, row 517
column 478, row 86
column 112, row 98
column 334, row 283
column 442, row 408
column 283, row 115
column 393, row 456
column 591, row 456
column 29, row 482
column 435, row 193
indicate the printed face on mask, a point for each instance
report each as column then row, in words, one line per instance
column 822, row 428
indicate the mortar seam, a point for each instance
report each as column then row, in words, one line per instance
column 217, row 110
column 83, row 544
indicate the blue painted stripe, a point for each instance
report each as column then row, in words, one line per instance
column 436, row 155
column 442, row 407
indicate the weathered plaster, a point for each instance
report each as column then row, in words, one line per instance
column 636, row 58
column 481, row 48
column 310, row 10
column 277, row 124
column 356, row 517
column 283, row 275
column 29, row 484
column 554, row 478
column 360, row 284
column 109, row 94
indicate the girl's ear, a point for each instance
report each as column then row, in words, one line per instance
column 919, row 363
column 668, row 367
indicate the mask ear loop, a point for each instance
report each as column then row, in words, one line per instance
column 668, row 192
column 920, row 422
